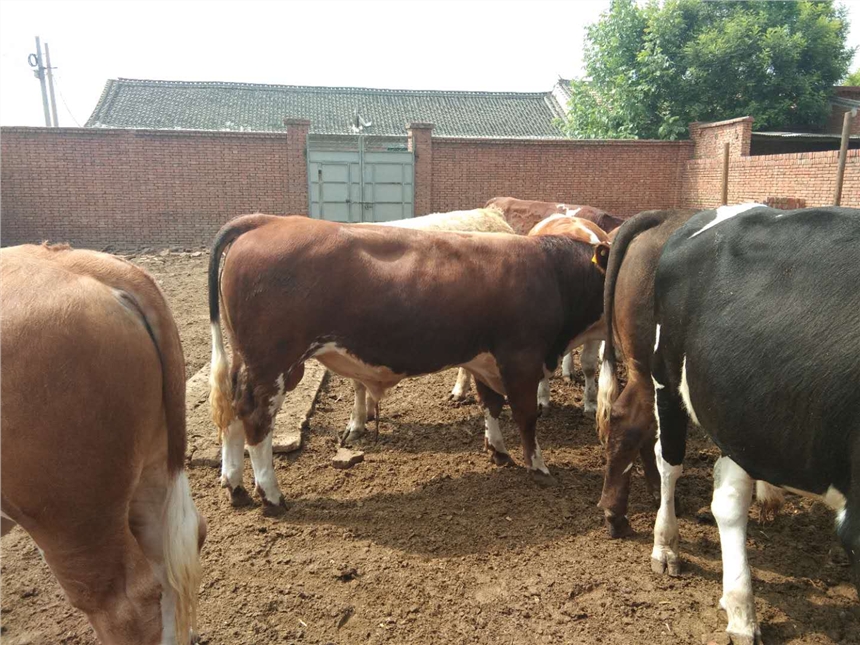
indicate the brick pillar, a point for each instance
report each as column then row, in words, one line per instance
column 296, row 202
column 420, row 143
column 745, row 136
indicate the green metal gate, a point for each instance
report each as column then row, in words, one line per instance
column 349, row 183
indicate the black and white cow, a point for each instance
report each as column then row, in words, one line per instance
column 757, row 316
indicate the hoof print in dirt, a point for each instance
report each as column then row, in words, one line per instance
column 347, row 573
column 346, row 458
column 239, row 497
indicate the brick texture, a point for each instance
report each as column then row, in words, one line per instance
column 622, row 177
column 790, row 179
column 808, row 176
column 124, row 188
column 95, row 188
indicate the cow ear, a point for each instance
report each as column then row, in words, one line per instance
column 600, row 259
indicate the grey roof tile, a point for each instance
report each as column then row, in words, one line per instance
column 129, row 103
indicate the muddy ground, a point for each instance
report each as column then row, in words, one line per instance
column 427, row 542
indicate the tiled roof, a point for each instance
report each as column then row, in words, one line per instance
column 128, row 103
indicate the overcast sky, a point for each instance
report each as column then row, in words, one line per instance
column 455, row 44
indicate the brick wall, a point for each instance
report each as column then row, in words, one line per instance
column 709, row 139
column 123, row 188
column 810, row 176
column 95, row 188
column 807, row 176
column 622, row 177
column 835, row 120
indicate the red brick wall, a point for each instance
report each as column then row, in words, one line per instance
column 808, row 175
column 124, row 188
column 709, row 139
column 622, row 177
column 95, row 188
column 836, row 118
column 420, row 143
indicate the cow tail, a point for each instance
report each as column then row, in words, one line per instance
column 220, row 389
column 608, row 382
column 181, row 525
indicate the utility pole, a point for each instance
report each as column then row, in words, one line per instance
column 51, row 86
column 843, row 153
column 39, row 69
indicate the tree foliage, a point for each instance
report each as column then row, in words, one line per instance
column 653, row 68
column 853, row 78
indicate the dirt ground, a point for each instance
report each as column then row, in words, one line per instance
column 427, row 542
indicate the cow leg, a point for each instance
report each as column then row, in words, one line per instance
column 355, row 427
column 567, row 366
column 848, row 519
column 494, row 443
column 109, row 578
column 543, row 391
column 525, row 412
column 233, row 463
column 6, row 525
column 588, row 359
column 461, row 387
column 265, row 482
column 730, row 506
column 649, row 463
column 259, row 424
column 370, row 405
column 669, row 452
column 630, row 427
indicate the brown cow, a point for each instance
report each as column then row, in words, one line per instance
column 626, row 424
column 477, row 220
column 93, row 416
column 524, row 214
column 629, row 316
column 585, row 231
column 589, row 232
column 379, row 305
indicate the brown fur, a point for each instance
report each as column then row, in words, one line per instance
column 93, row 418
column 523, row 214
column 629, row 313
column 414, row 302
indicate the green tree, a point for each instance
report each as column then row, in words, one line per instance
column 653, row 68
column 853, row 78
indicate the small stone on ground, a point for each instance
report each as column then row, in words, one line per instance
column 346, row 458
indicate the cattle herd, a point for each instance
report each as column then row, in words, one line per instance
column 742, row 320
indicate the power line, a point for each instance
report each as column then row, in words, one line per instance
column 63, row 99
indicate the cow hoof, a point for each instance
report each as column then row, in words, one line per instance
column 668, row 563
column 568, row 377
column 542, row 479
column 501, row 458
column 239, row 497
column 274, row 510
column 590, row 410
column 270, row 509
column 744, row 639
column 460, row 400
column 351, row 436
column 618, row 527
